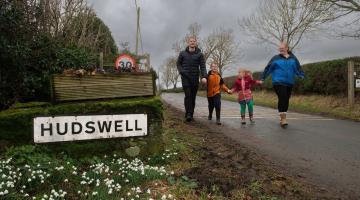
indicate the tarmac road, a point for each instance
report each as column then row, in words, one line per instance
column 321, row 150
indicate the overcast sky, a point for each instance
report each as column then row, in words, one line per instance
column 165, row 21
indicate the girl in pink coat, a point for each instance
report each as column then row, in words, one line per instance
column 242, row 86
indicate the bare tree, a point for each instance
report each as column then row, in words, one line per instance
column 351, row 9
column 170, row 73
column 165, row 76
column 348, row 5
column 286, row 20
column 223, row 49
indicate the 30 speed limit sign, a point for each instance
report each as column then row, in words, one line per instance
column 125, row 63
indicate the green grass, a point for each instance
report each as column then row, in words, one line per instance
column 332, row 106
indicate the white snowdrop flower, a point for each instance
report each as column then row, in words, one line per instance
column 163, row 197
column 1, row 193
column 110, row 191
column 128, row 193
column 42, row 181
column 66, row 180
column 86, row 194
column 74, row 172
column 94, row 193
column 34, row 198
column 79, row 192
column 21, row 191
column 148, row 191
column 29, row 180
column 170, row 196
column 26, row 195
column 172, row 172
column 151, row 199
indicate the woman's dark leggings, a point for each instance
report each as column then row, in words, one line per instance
column 283, row 92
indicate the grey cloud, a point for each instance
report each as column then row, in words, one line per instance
column 165, row 21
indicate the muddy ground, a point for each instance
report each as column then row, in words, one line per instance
column 237, row 171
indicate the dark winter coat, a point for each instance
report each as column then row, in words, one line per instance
column 190, row 65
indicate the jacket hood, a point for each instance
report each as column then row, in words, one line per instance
column 197, row 50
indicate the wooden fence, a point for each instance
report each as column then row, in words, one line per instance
column 101, row 86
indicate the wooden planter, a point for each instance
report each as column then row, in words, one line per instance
column 101, row 86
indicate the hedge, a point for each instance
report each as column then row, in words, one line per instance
column 327, row 78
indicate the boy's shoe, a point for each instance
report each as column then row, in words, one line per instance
column 218, row 122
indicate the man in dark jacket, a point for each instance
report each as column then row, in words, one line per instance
column 188, row 64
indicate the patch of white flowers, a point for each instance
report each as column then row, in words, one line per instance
column 110, row 177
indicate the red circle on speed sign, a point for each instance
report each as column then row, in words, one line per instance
column 125, row 63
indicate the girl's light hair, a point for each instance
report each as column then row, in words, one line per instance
column 246, row 72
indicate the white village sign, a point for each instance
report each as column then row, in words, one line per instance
column 69, row 128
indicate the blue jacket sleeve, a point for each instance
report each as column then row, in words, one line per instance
column 298, row 71
column 268, row 69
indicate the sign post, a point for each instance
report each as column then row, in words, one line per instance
column 351, row 89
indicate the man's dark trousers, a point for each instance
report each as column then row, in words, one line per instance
column 189, row 100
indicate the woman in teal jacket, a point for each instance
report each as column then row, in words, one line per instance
column 283, row 69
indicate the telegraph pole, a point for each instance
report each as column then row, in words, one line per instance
column 137, row 30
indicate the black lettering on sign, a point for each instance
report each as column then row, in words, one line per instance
column 127, row 126
column 118, row 125
column 90, row 127
column 59, row 131
column 43, row 129
column 136, row 126
column 105, row 125
column 73, row 124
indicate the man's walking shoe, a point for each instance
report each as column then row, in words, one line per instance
column 283, row 122
column 209, row 117
column 188, row 117
column 218, row 122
